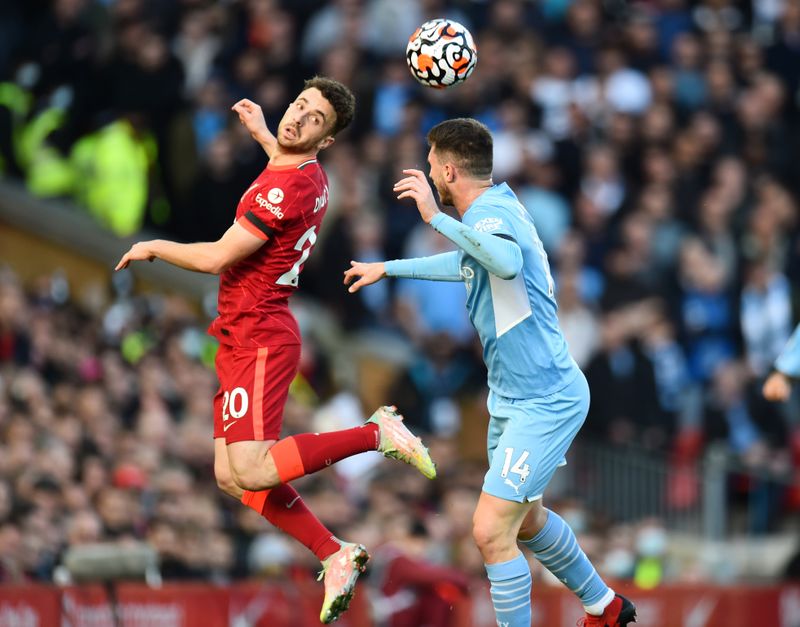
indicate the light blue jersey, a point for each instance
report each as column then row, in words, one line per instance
column 523, row 347
column 538, row 397
column 789, row 360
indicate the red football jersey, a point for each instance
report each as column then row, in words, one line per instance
column 284, row 206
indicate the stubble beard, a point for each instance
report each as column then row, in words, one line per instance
column 295, row 147
column 444, row 195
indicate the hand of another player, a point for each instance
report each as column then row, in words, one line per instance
column 416, row 186
column 252, row 118
column 369, row 273
column 777, row 387
column 140, row 251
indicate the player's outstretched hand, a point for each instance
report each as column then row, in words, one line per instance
column 416, row 186
column 252, row 118
column 777, row 387
column 366, row 273
column 140, row 251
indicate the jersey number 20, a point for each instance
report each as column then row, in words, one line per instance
column 293, row 275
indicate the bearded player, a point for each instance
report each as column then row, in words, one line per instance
column 538, row 397
column 259, row 260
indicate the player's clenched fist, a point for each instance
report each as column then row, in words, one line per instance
column 252, row 118
column 140, row 251
column 416, row 186
column 250, row 115
column 369, row 273
column 777, row 387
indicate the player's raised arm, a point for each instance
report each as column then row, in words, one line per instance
column 415, row 186
column 252, row 118
column 502, row 257
column 209, row 257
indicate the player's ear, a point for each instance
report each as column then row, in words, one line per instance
column 449, row 173
column 322, row 145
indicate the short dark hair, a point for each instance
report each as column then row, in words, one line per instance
column 341, row 98
column 467, row 142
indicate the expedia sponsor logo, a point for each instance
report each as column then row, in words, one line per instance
column 265, row 204
column 275, row 195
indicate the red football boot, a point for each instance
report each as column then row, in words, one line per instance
column 618, row 613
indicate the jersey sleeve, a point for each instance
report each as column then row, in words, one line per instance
column 501, row 256
column 488, row 219
column 270, row 208
column 441, row 267
column 789, row 360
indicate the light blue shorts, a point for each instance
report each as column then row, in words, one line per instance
column 528, row 439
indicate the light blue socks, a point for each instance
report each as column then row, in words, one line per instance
column 556, row 547
column 511, row 592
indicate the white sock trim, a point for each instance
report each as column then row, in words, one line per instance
column 597, row 609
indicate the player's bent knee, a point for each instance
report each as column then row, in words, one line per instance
column 494, row 536
column 487, row 535
column 226, row 483
column 250, row 466
column 253, row 478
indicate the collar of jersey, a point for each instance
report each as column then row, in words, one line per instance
column 496, row 188
column 289, row 166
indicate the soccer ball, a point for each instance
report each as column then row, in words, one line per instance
column 441, row 53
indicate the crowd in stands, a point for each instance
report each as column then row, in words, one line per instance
column 654, row 143
column 106, row 419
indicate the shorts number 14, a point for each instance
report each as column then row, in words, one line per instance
column 519, row 467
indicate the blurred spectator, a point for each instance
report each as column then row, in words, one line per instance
column 513, row 138
column 707, row 314
column 196, row 45
column 766, row 315
column 730, row 416
column 552, row 90
column 678, row 398
column 690, row 87
column 410, row 590
column 624, row 401
column 337, row 21
column 432, row 384
column 540, row 196
column 218, row 185
column 578, row 322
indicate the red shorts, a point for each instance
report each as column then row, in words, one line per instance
column 253, row 387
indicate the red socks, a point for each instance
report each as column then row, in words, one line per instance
column 307, row 453
column 284, row 508
column 300, row 455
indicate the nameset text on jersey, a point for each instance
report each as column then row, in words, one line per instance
column 321, row 200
